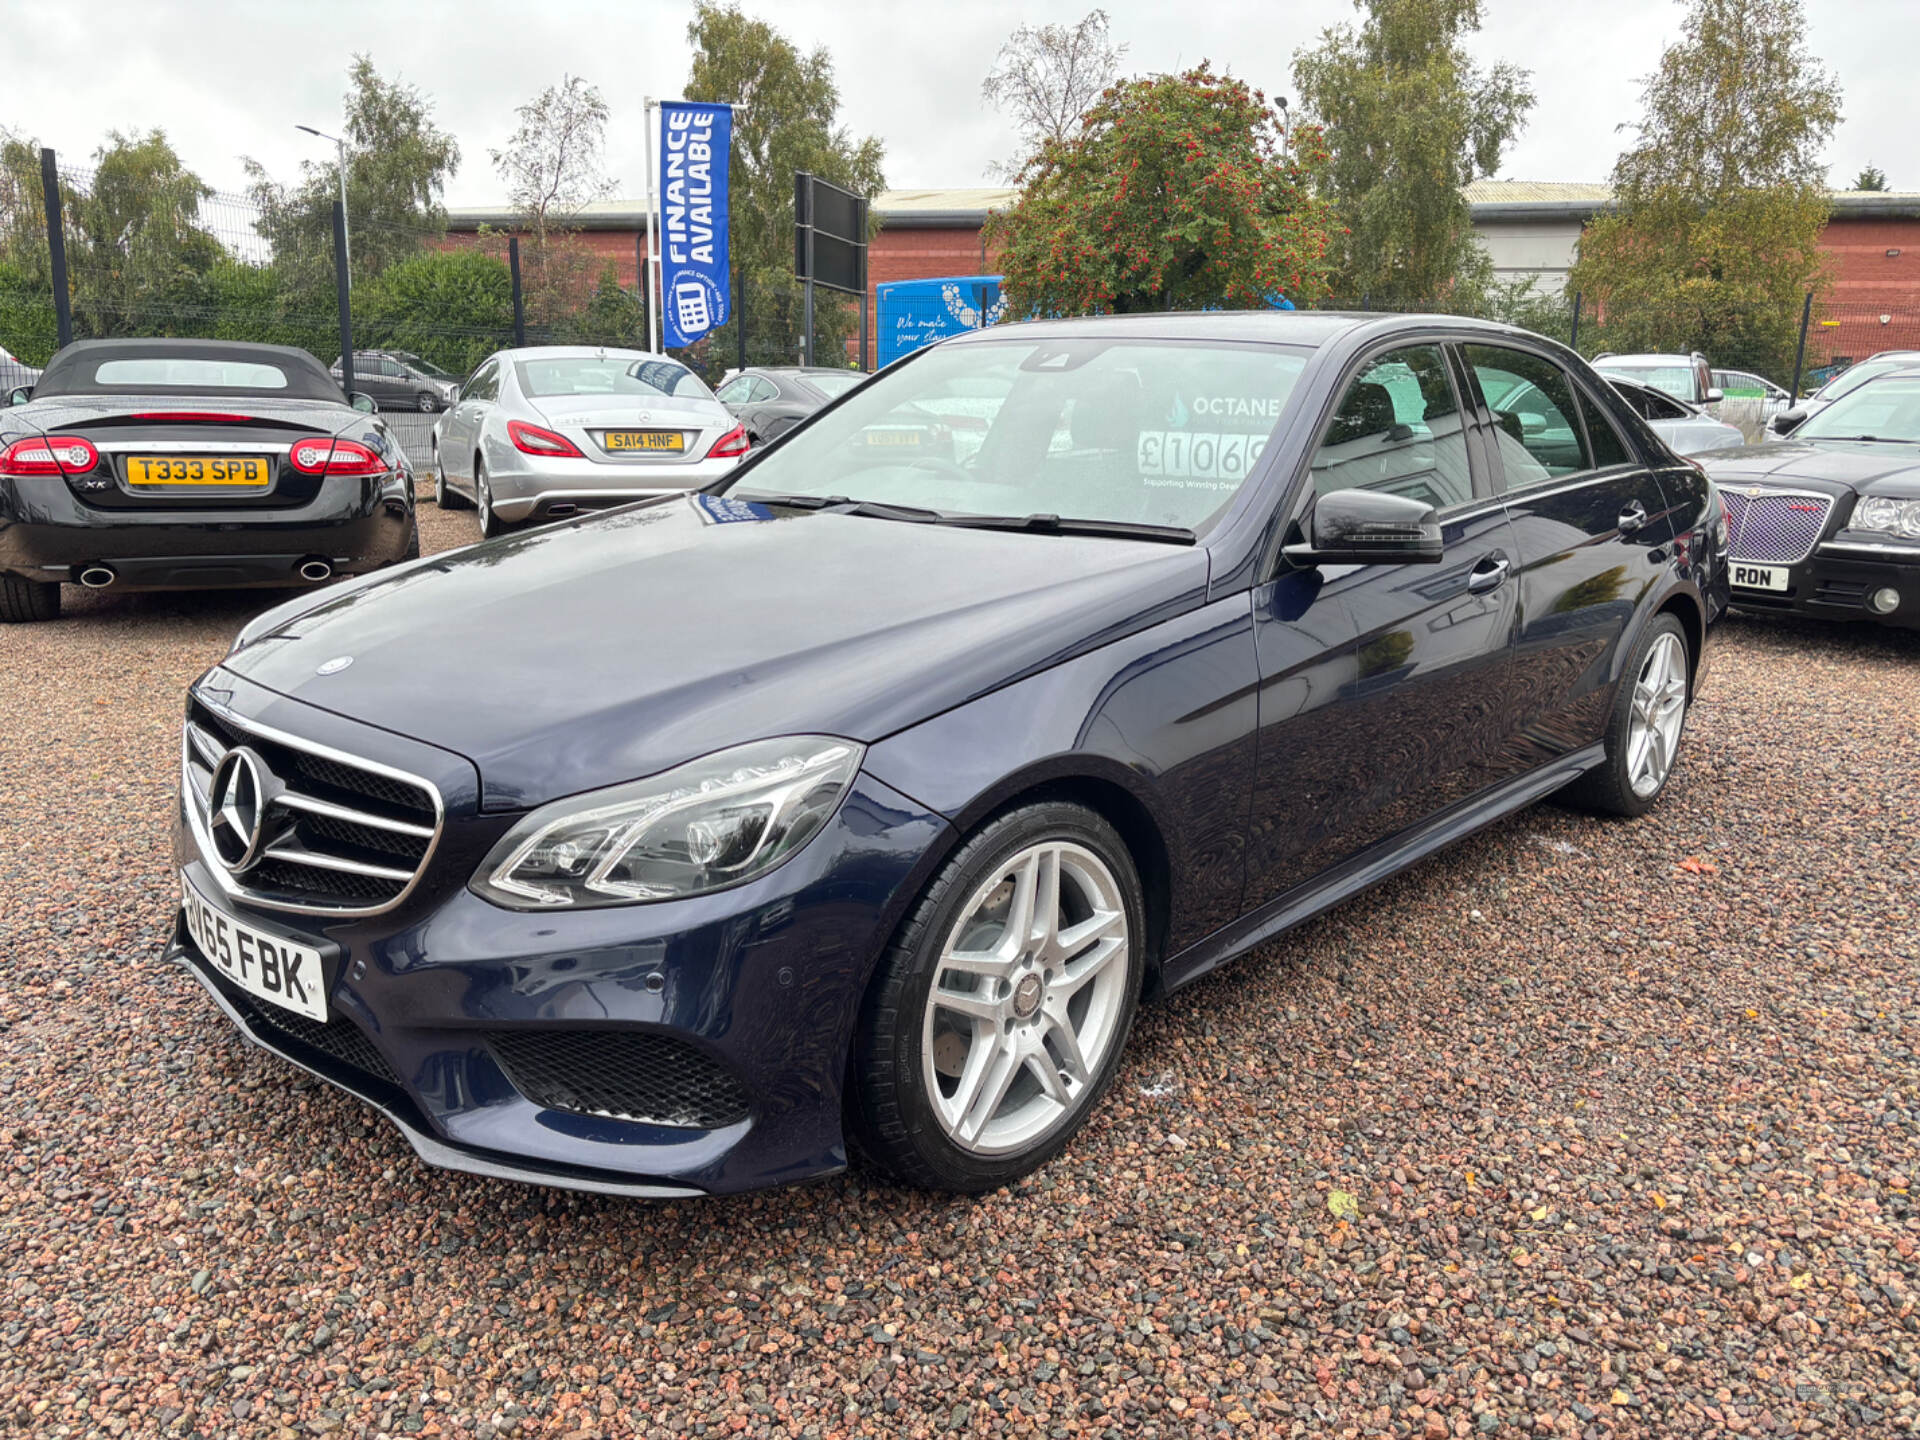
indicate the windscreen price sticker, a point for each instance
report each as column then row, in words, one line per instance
column 1197, row 459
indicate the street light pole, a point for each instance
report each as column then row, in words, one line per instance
column 340, row 150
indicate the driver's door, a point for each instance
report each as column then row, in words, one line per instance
column 1409, row 714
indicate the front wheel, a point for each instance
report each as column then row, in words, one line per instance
column 22, row 599
column 996, row 1019
column 1643, row 732
column 426, row 403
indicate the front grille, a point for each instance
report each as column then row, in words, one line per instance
column 621, row 1074
column 340, row 835
column 1776, row 527
column 338, row 1039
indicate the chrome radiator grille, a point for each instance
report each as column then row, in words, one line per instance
column 1775, row 527
column 332, row 833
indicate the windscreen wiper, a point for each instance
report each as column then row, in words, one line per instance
column 1070, row 525
column 843, row 505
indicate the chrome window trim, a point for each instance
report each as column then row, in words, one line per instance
column 193, row 802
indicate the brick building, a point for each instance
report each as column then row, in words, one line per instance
column 1532, row 229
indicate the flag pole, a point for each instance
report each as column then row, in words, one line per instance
column 653, row 259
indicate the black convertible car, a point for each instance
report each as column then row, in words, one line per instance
column 1827, row 524
column 190, row 464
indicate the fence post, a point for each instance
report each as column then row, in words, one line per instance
column 519, row 304
column 1573, row 340
column 340, row 282
column 57, row 246
column 863, row 330
column 1800, row 350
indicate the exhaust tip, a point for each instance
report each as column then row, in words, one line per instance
column 97, row 577
column 315, row 569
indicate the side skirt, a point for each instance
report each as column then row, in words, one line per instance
column 1371, row 867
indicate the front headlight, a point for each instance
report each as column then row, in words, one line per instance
column 1885, row 513
column 710, row 823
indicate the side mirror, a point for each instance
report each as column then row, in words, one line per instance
column 1532, row 424
column 20, row 394
column 1368, row 527
column 365, row 404
column 1788, row 421
column 1714, row 397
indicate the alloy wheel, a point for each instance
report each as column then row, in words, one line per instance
column 1028, row 998
column 1659, row 710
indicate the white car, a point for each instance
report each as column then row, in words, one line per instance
column 1845, row 383
column 1686, row 429
column 1687, row 378
column 1745, row 385
column 543, row 432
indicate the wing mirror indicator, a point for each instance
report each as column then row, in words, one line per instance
column 1366, row 527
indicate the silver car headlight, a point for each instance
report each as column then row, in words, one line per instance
column 1887, row 514
column 708, row 824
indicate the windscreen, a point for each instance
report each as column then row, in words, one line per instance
column 546, row 377
column 1675, row 380
column 1887, row 409
column 1147, row 432
column 1851, row 380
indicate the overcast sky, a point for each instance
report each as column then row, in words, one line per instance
column 226, row 80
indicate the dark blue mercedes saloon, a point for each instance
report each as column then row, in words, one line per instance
column 859, row 799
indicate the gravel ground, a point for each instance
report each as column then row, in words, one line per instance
column 1582, row 1129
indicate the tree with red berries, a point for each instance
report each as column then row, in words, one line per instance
column 1177, row 192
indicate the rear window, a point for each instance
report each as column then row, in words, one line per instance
column 190, row 374
column 552, row 376
column 835, row 384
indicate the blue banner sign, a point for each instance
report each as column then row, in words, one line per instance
column 695, row 289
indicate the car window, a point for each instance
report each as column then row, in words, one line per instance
column 1606, row 442
column 1676, row 380
column 1847, row 381
column 198, row 374
column 834, row 386
column 484, row 383
column 737, row 391
column 1888, row 409
column 1398, row 429
column 545, row 377
column 764, row 390
column 1536, row 418
column 1147, row 431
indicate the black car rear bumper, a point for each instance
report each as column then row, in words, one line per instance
column 1836, row 583
column 350, row 526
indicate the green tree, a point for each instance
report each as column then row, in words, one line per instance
column 1871, row 177
column 398, row 164
column 788, row 121
column 1047, row 76
column 1175, row 193
column 1715, row 238
column 1409, row 120
column 453, row 307
column 136, row 251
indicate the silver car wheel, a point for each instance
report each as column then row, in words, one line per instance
column 1028, row 999
column 427, row 404
column 1659, row 711
column 483, row 498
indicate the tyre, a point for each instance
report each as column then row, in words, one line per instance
column 444, row 495
column 412, row 552
column 1644, row 729
column 426, row 402
column 22, row 599
column 490, row 523
column 996, row 1019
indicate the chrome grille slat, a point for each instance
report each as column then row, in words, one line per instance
column 1775, row 527
column 322, row 856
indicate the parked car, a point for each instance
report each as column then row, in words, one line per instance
column 656, row 851
column 1840, row 386
column 548, row 431
column 770, row 401
column 192, row 464
column 1745, row 385
column 1685, row 377
column 14, row 373
column 1686, row 429
column 1827, row 523
column 400, row 380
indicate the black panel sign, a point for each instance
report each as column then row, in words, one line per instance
column 829, row 235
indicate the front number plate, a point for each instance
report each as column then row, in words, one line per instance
column 250, row 472
column 266, row 966
column 1759, row 577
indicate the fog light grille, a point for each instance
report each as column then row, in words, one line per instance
column 621, row 1074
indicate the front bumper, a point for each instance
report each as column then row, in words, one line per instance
column 525, row 488
column 354, row 525
column 763, row 982
column 1837, row 580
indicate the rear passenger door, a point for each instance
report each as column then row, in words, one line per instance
column 1591, row 530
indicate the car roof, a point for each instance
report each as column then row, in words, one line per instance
column 579, row 352
column 307, row 378
column 1672, row 358
column 1279, row 327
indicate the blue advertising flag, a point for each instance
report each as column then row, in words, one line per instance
column 695, row 291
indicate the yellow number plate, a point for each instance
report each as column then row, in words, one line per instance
column 893, row 437
column 673, row 442
column 247, row 470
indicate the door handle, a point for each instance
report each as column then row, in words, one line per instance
column 1632, row 518
column 1488, row 574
